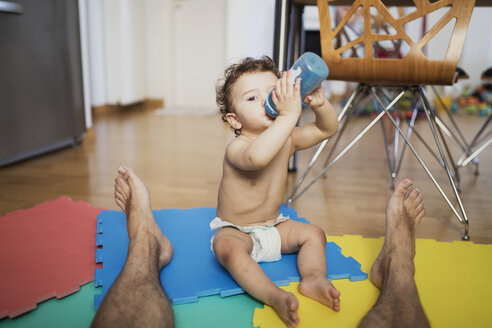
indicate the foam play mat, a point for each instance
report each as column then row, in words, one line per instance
column 45, row 251
column 443, row 269
column 74, row 311
column 454, row 282
column 194, row 271
column 77, row 311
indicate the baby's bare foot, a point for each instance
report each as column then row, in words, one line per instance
column 286, row 305
column 404, row 211
column 322, row 290
column 133, row 197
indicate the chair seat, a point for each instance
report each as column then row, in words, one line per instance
column 355, row 56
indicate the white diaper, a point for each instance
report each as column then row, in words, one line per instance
column 266, row 239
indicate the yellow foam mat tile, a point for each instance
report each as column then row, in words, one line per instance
column 454, row 282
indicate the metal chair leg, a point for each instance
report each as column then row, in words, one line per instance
column 411, row 124
column 294, row 197
column 339, row 135
column 397, row 156
column 390, row 160
column 463, row 220
column 463, row 144
column 429, row 114
column 464, row 159
column 352, row 113
column 451, row 118
column 426, row 145
column 440, row 128
column 456, row 176
column 422, row 140
column 313, row 160
column 436, row 129
column 478, row 151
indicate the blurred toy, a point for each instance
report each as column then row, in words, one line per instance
column 478, row 101
column 446, row 100
column 484, row 109
column 471, row 105
column 454, row 107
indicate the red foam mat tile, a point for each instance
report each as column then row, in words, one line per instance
column 45, row 251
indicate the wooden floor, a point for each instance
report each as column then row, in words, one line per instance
column 180, row 158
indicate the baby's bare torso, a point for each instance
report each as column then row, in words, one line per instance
column 249, row 198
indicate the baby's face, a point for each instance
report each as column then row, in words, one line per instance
column 248, row 100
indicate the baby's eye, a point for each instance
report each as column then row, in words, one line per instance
column 252, row 98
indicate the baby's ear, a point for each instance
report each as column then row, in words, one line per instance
column 233, row 121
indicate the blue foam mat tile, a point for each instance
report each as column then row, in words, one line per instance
column 99, row 225
column 99, row 255
column 98, row 300
column 194, row 271
column 341, row 267
column 98, row 277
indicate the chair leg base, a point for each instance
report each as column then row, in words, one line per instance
column 451, row 171
column 466, row 236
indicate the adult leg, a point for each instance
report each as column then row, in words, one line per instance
column 393, row 271
column 136, row 298
column 310, row 241
column 232, row 249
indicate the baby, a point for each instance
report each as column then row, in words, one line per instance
column 248, row 226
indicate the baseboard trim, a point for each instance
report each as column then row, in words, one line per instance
column 155, row 103
column 147, row 104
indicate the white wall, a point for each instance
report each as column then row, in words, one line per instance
column 135, row 54
column 96, row 52
column 118, row 54
column 250, row 28
column 476, row 55
column 84, row 48
column 157, row 29
column 477, row 52
column 124, row 51
column 198, row 52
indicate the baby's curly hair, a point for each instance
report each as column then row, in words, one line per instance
column 232, row 74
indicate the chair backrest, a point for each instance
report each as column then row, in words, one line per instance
column 413, row 67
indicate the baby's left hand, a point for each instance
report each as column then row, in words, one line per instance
column 316, row 98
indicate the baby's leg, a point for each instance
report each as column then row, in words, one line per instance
column 310, row 241
column 232, row 248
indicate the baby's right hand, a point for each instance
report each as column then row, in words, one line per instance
column 287, row 96
column 316, row 98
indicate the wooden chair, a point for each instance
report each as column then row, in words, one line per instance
column 386, row 80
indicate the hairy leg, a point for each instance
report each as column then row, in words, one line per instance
column 136, row 298
column 394, row 269
column 232, row 248
column 310, row 241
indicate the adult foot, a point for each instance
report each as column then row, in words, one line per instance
column 286, row 305
column 133, row 197
column 322, row 290
column 404, row 211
